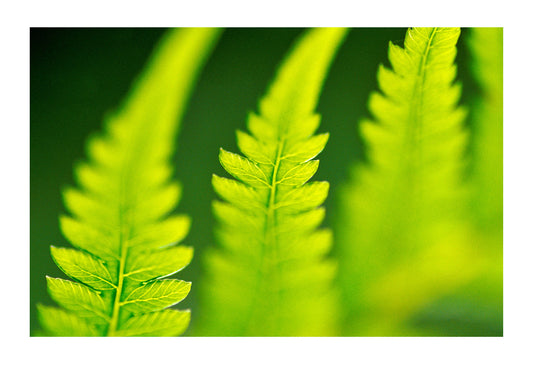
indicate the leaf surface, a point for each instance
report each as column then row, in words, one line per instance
column 84, row 268
column 157, row 295
column 162, row 323
column 157, row 263
column 84, row 301
column 60, row 322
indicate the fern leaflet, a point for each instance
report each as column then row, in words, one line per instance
column 120, row 225
column 271, row 277
column 400, row 243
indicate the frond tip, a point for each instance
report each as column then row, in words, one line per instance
column 120, row 218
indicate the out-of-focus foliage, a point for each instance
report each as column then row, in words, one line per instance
column 487, row 135
column 120, row 220
column 476, row 309
column 487, row 171
column 270, row 277
column 404, row 236
column 417, row 229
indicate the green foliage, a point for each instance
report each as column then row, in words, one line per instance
column 486, row 45
column 418, row 232
column 476, row 308
column 402, row 236
column 271, row 276
column 120, row 221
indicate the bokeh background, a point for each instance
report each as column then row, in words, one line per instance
column 78, row 75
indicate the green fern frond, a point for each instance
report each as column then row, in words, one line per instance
column 399, row 239
column 481, row 300
column 119, row 222
column 272, row 276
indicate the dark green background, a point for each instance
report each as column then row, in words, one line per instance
column 77, row 75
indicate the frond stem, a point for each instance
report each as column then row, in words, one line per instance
column 270, row 241
column 121, row 275
column 414, row 133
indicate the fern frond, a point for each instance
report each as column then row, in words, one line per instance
column 271, row 276
column 481, row 300
column 399, row 240
column 119, row 220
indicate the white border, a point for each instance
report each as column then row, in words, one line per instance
column 257, row 356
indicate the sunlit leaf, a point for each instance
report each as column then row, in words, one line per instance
column 272, row 258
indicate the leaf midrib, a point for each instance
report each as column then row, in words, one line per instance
column 125, row 230
column 414, row 114
column 270, row 240
column 121, row 275
column 414, row 127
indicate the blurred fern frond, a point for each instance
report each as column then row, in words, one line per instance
column 486, row 46
column 119, row 219
column 402, row 240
